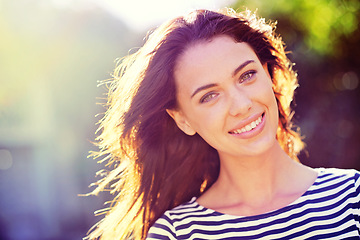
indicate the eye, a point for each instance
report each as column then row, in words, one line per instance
column 247, row 76
column 208, row 97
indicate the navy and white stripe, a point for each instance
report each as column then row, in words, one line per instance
column 329, row 209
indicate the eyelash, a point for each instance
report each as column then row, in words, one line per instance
column 249, row 75
column 243, row 76
column 207, row 97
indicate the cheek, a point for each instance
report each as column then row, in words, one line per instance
column 202, row 120
column 268, row 98
column 207, row 122
column 273, row 108
column 268, row 91
column 271, row 99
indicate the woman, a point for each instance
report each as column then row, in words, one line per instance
column 198, row 133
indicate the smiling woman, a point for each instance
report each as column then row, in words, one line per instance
column 233, row 107
column 198, row 130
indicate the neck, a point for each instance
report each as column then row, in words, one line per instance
column 257, row 178
column 253, row 185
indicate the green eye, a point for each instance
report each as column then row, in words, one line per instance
column 207, row 97
column 247, row 76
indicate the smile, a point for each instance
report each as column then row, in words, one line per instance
column 248, row 127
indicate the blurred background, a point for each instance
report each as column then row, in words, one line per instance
column 54, row 52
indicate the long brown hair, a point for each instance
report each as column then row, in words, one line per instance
column 155, row 166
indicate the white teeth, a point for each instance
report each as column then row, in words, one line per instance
column 248, row 127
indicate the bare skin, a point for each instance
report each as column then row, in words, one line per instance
column 259, row 186
column 225, row 95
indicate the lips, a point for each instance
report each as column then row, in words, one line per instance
column 249, row 126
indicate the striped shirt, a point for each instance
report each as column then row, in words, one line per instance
column 329, row 209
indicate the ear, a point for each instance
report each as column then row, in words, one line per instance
column 181, row 121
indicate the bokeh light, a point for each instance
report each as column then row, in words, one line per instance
column 54, row 52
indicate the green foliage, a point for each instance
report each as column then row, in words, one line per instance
column 322, row 23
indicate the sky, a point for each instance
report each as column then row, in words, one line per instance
column 143, row 14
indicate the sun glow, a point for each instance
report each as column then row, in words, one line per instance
column 142, row 14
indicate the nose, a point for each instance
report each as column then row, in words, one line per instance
column 240, row 103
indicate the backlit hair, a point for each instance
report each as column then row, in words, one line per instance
column 153, row 165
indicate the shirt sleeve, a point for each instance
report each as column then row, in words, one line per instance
column 162, row 229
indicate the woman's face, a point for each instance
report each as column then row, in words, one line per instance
column 225, row 95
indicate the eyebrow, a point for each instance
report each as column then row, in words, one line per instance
column 241, row 66
column 238, row 69
column 203, row 88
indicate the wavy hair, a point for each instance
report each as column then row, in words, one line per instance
column 154, row 166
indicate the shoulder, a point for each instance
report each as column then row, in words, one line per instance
column 163, row 228
column 338, row 173
column 167, row 225
column 340, row 179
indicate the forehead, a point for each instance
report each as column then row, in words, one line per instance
column 210, row 62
